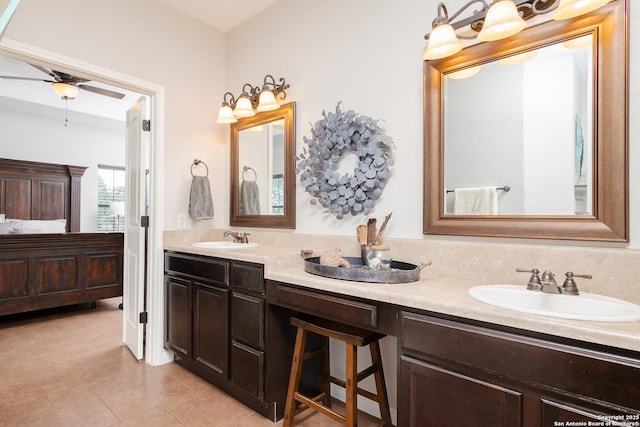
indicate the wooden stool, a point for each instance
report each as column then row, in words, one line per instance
column 353, row 338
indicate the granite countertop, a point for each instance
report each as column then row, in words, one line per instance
column 441, row 295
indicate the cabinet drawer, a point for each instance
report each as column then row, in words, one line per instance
column 247, row 369
column 247, row 319
column 328, row 306
column 210, row 269
column 248, row 277
column 549, row 365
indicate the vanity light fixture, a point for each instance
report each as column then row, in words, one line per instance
column 252, row 99
column 495, row 20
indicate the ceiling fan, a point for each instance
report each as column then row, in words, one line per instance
column 66, row 85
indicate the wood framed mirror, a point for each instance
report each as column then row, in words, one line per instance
column 263, row 169
column 596, row 194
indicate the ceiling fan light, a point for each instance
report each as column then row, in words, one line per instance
column 65, row 90
column 443, row 42
column 572, row 8
column 267, row 101
column 225, row 115
column 243, row 107
column 502, row 21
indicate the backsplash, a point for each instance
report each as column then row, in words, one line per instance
column 614, row 271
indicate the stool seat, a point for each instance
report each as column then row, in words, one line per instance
column 353, row 338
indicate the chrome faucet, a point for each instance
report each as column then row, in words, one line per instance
column 237, row 237
column 548, row 283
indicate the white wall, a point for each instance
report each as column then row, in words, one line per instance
column 368, row 54
column 35, row 137
column 148, row 40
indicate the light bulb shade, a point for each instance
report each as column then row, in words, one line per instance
column 518, row 59
column 571, row 8
column 243, row 107
column 65, row 90
column 443, row 42
column 465, row 73
column 225, row 115
column 502, row 21
column 267, row 101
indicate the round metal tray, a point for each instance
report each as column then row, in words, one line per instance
column 400, row 272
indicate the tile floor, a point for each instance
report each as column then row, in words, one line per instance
column 68, row 367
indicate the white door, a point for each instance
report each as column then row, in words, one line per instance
column 134, row 238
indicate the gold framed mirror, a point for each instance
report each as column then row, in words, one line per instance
column 596, row 192
column 263, row 169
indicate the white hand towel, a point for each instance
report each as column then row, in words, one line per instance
column 249, row 198
column 200, row 199
column 475, row 201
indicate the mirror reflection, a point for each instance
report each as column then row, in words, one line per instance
column 529, row 118
column 263, row 169
column 261, row 175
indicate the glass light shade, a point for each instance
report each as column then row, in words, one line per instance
column 65, row 90
column 465, row 73
column 267, row 101
column 571, row 8
column 579, row 43
column 225, row 115
column 518, row 59
column 243, row 108
column 443, row 42
column 502, row 21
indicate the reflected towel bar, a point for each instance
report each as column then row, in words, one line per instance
column 506, row 188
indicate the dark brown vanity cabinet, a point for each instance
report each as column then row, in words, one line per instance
column 218, row 326
column 452, row 374
column 197, row 307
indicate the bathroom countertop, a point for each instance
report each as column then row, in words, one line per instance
column 441, row 295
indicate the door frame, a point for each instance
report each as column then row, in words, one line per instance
column 155, row 354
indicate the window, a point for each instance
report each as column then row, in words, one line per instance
column 111, row 193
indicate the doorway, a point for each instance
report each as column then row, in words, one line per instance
column 154, row 349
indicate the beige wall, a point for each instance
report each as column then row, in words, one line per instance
column 150, row 41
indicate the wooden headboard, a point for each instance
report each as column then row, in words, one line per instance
column 33, row 190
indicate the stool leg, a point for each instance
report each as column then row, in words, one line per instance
column 383, row 400
column 351, row 387
column 326, row 372
column 294, row 377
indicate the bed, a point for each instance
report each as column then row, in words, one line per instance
column 45, row 261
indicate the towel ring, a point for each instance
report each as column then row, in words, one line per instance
column 249, row 168
column 197, row 162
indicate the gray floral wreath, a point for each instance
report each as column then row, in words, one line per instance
column 332, row 136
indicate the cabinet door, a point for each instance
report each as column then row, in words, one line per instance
column 434, row 396
column 178, row 315
column 210, row 324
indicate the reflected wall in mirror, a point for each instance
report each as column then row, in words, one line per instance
column 263, row 169
column 553, row 129
column 525, row 128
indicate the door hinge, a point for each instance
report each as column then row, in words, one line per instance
column 143, row 317
column 146, row 125
column 144, row 221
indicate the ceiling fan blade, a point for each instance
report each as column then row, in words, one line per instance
column 25, row 78
column 68, row 78
column 44, row 70
column 102, row 91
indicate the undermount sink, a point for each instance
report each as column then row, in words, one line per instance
column 581, row 307
column 224, row 244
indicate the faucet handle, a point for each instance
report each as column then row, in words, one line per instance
column 534, row 281
column 569, row 286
